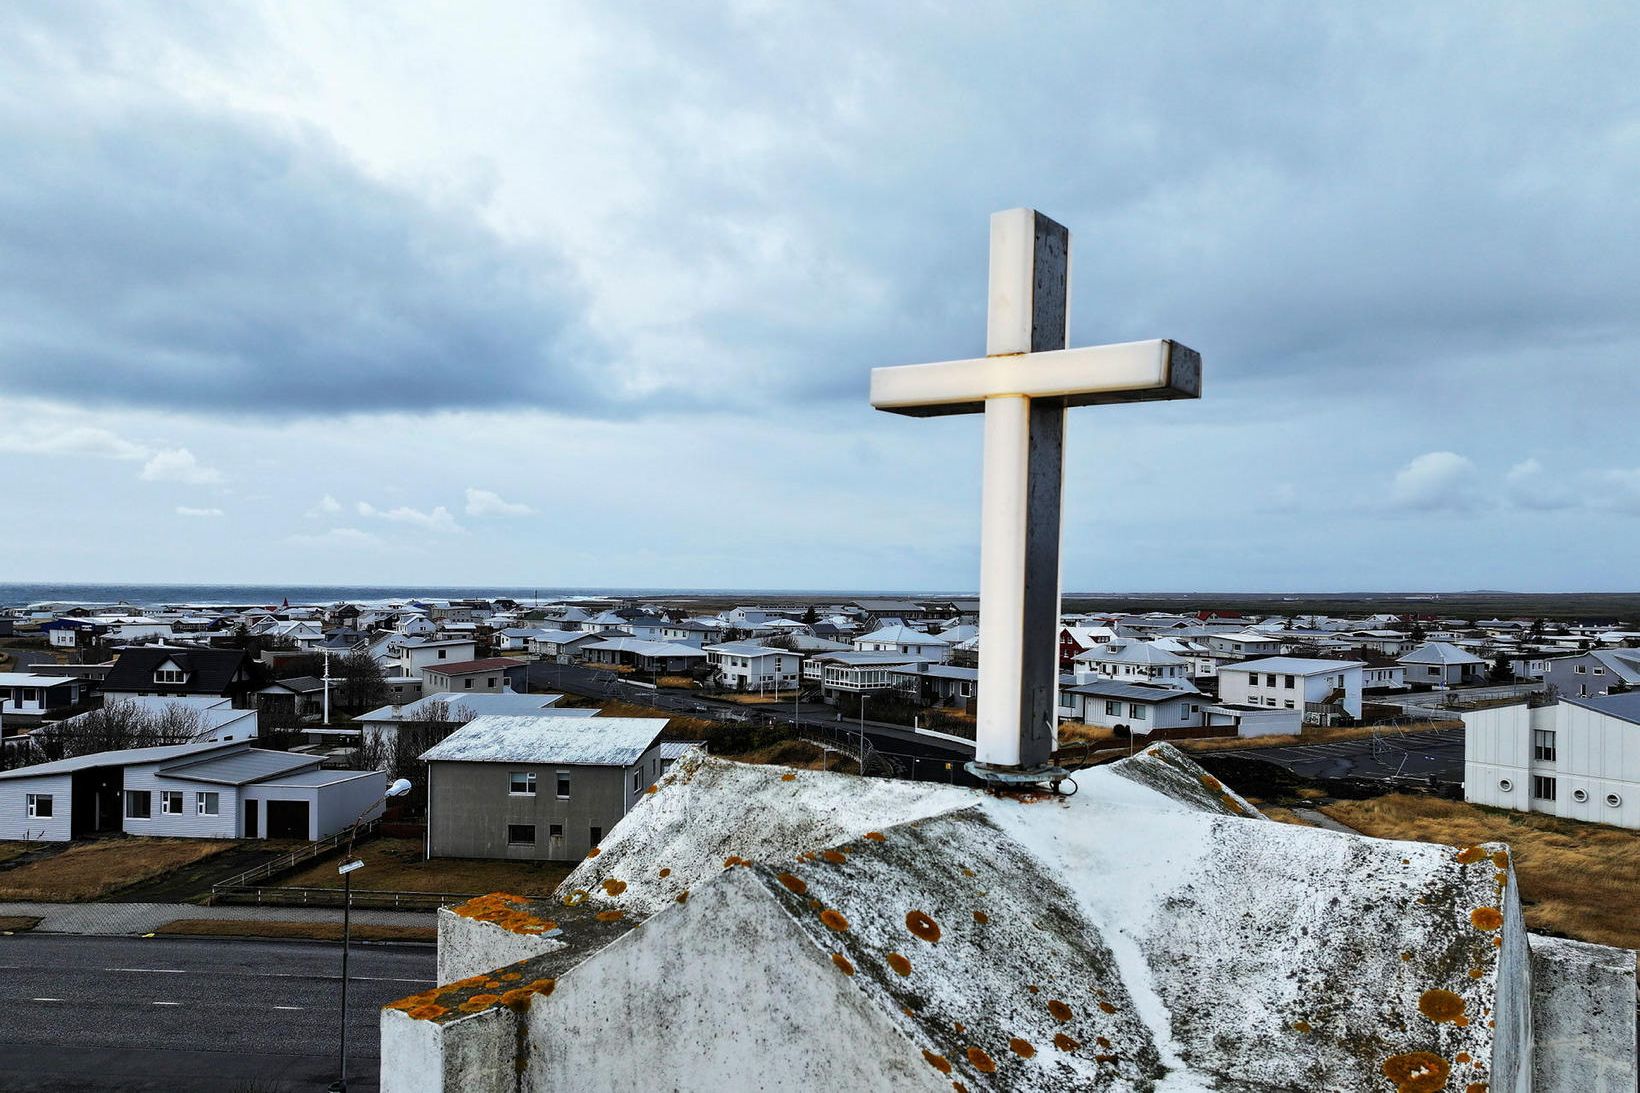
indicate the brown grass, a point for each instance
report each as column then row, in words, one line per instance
column 677, row 726
column 799, row 754
column 1074, row 732
column 1284, row 816
column 1314, row 736
column 9, row 851
column 308, row 931
column 1578, row 880
column 94, row 869
column 680, row 682
column 396, row 865
column 16, row 924
column 755, row 699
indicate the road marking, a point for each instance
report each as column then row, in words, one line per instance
column 287, row 1007
column 45, row 999
column 156, row 971
column 165, row 1003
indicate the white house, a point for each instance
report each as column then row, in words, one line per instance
column 854, row 672
column 748, row 666
column 412, row 655
column 1141, row 708
column 31, row 695
column 462, row 707
column 1578, row 758
column 1244, row 644
column 1130, row 661
column 1441, row 664
column 1319, row 689
column 202, row 790
column 562, row 646
column 899, row 638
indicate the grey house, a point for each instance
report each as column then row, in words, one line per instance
column 1588, row 675
column 538, row 788
column 210, row 790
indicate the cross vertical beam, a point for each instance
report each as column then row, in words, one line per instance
column 1029, row 312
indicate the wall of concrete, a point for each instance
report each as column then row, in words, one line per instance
column 470, row 807
column 1584, row 1017
column 470, row 946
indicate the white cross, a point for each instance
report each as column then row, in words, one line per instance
column 1023, row 385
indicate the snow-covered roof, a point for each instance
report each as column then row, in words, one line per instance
column 573, row 741
column 461, row 702
column 744, row 649
column 1131, row 692
column 902, row 635
column 1292, row 666
column 1439, row 652
column 644, row 648
column 1130, row 652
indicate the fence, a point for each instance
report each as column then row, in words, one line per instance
column 285, row 862
column 279, row 896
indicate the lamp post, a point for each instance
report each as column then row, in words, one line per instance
column 349, row 863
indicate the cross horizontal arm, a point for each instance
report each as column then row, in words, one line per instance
column 1128, row 372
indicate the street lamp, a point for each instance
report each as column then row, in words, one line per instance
column 349, row 863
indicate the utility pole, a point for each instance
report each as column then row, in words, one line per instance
column 862, row 732
column 327, row 687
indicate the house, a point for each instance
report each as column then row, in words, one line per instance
column 854, row 672
column 205, row 717
column 169, row 671
column 460, row 708
column 645, row 656
column 200, row 790
column 514, row 639
column 417, row 626
column 294, row 698
column 748, row 666
column 74, row 633
column 1322, row 690
column 562, row 646
column 1594, row 673
column 899, row 638
column 486, row 676
column 1144, row 709
column 412, row 655
column 888, row 609
column 1243, row 645
column 1441, row 664
column 1578, row 758
column 937, row 684
column 1076, row 640
column 537, row 788
column 699, row 632
column 1130, row 661
column 31, row 695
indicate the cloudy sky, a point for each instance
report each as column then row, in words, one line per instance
column 587, row 295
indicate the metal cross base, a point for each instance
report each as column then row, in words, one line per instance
column 1017, row 777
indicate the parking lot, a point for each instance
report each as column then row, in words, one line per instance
column 1389, row 756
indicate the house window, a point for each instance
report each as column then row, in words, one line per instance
column 443, row 654
column 1581, row 669
column 597, row 834
column 139, row 804
column 170, row 802
column 168, row 675
column 468, row 683
column 1599, row 671
column 1114, row 709
column 1136, row 712
column 1287, row 681
column 520, row 834
column 1543, row 745
column 39, row 806
column 521, row 783
column 1269, row 680
column 563, row 785
column 208, row 804
column 490, row 682
column 1543, row 789
column 1289, row 704
column 637, row 780
column 555, row 831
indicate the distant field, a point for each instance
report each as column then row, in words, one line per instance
column 397, row 865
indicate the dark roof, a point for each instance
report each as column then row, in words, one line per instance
column 1625, row 706
column 471, row 667
column 301, row 684
column 209, row 671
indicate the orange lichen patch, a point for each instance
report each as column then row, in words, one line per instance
column 794, row 882
column 1500, row 858
column 967, row 872
column 834, row 920
column 835, row 857
column 842, row 963
column 426, row 1012
column 1101, row 1041
column 788, row 777
column 1107, row 1007
column 922, row 926
column 1301, row 1025
column 1212, row 783
column 981, row 1061
column 1440, row 1005
column 1406, row 956
column 576, row 898
column 1476, row 1087
column 814, row 904
column 665, row 873
column 733, row 860
column 510, row 977
column 876, row 836
column 900, row 964
column 959, row 1028
column 613, row 887
column 612, row 915
column 1417, row 1072
column 1107, row 1058
column 1497, row 943
column 518, row 999
column 1468, row 856
column 1032, row 987
column 938, row 1062
column 507, row 911
column 1065, row 1043
column 1023, row 1048
column 653, row 789
column 959, row 1087
column 981, row 917
column 1461, row 1057
column 1060, row 1011
column 1486, row 918
column 594, row 852
column 1476, row 973
column 683, row 896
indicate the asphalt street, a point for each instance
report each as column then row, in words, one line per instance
column 1391, row 757
column 136, row 1013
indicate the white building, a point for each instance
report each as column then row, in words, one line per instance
column 748, row 666
column 1141, row 708
column 1129, row 661
column 1319, row 689
column 904, row 639
column 412, row 655
column 1442, row 664
column 1578, row 758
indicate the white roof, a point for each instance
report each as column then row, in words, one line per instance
column 648, row 648
column 29, row 679
column 1292, row 666
column 1439, row 652
column 744, row 649
column 512, row 704
column 904, row 635
column 576, row 741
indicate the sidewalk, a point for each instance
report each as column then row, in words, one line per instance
column 143, row 918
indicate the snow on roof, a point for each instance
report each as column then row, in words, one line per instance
column 1130, row 652
column 1439, row 652
column 459, row 702
column 1292, row 666
column 119, row 757
column 744, row 649
column 903, row 635
column 647, row 648
column 31, row 679
column 575, row 741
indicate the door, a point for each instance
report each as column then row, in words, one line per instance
column 287, row 819
column 250, row 820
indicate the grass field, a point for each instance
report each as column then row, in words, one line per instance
column 95, row 869
column 9, row 851
column 396, row 865
column 1314, row 736
column 306, row 931
column 1578, row 880
column 796, row 753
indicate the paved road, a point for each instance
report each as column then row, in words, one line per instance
column 114, row 919
column 1403, row 757
column 88, row 1013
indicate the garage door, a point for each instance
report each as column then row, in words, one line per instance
column 287, row 819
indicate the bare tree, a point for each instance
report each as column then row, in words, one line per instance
column 116, row 725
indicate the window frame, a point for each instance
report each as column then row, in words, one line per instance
column 132, row 796
column 1543, row 746
column 166, row 796
column 215, row 799
column 1542, row 782
column 561, row 785
column 512, row 835
column 32, row 804
column 527, row 778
